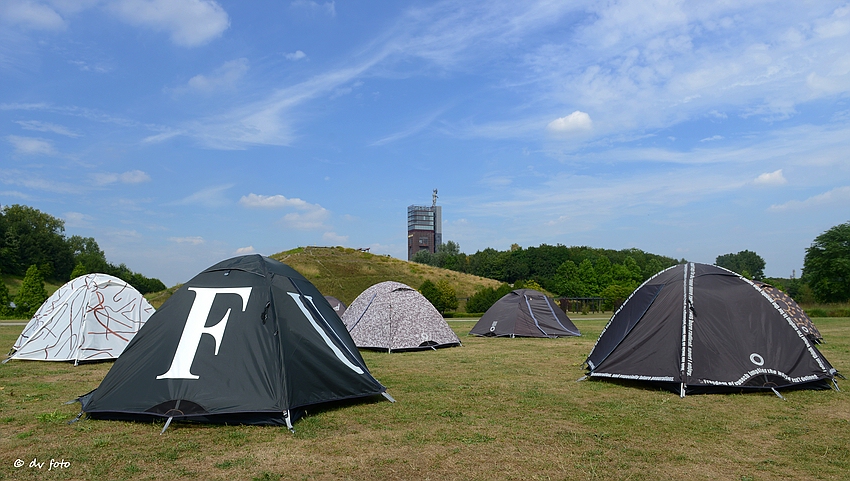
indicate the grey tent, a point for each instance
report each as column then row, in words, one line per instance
column 525, row 313
column 391, row 316
column 247, row 341
column 337, row 305
column 697, row 328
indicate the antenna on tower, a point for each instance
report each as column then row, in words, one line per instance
column 434, row 199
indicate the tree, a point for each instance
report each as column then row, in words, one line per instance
column 747, row 263
column 826, row 266
column 31, row 237
column 79, row 270
column 5, row 300
column 441, row 295
column 447, row 299
column 484, row 299
column 32, row 294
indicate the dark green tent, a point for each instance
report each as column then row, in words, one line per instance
column 248, row 340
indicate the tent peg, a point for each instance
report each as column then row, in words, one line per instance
column 288, row 421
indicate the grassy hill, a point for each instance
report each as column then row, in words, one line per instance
column 344, row 273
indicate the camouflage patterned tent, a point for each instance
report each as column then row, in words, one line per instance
column 392, row 316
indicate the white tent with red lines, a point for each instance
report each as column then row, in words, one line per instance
column 92, row 317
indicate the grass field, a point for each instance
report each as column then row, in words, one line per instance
column 492, row 409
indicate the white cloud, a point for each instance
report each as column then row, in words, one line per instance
column 193, row 240
column 224, row 77
column 191, row 23
column 31, row 146
column 576, row 121
column 273, row 202
column 129, row 177
column 838, row 196
column 771, row 178
column 29, row 14
column 309, row 217
column 712, row 138
column 334, row 238
column 296, row 55
column 244, row 250
column 39, row 126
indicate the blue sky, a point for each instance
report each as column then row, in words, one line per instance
column 178, row 133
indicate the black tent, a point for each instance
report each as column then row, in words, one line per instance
column 525, row 313
column 249, row 340
column 699, row 328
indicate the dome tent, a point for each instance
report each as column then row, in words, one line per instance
column 336, row 304
column 525, row 313
column 697, row 328
column 247, row 341
column 92, row 317
column 391, row 316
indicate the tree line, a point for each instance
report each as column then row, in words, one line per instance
column 586, row 272
column 33, row 243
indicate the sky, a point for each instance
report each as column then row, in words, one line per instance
column 179, row 133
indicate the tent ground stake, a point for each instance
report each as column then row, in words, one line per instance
column 288, row 421
column 167, row 423
column 777, row 393
column 682, row 391
column 836, row 385
column 387, row 395
column 581, row 379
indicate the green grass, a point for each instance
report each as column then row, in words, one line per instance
column 492, row 409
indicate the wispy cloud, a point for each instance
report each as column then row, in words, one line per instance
column 296, row 55
column 209, row 197
column 413, row 129
column 192, row 240
column 244, row 250
column 31, row 146
column 836, row 196
column 334, row 238
column 712, row 138
column 31, row 15
column 129, row 177
column 328, row 8
column 39, row 126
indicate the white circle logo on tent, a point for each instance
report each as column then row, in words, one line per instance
column 756, row 359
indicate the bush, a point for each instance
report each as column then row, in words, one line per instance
column 32, row 294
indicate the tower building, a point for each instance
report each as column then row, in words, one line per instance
column 424, row 227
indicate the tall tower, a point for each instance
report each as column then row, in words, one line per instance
column 424, row 227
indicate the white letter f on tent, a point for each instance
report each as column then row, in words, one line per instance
column 193, row 330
